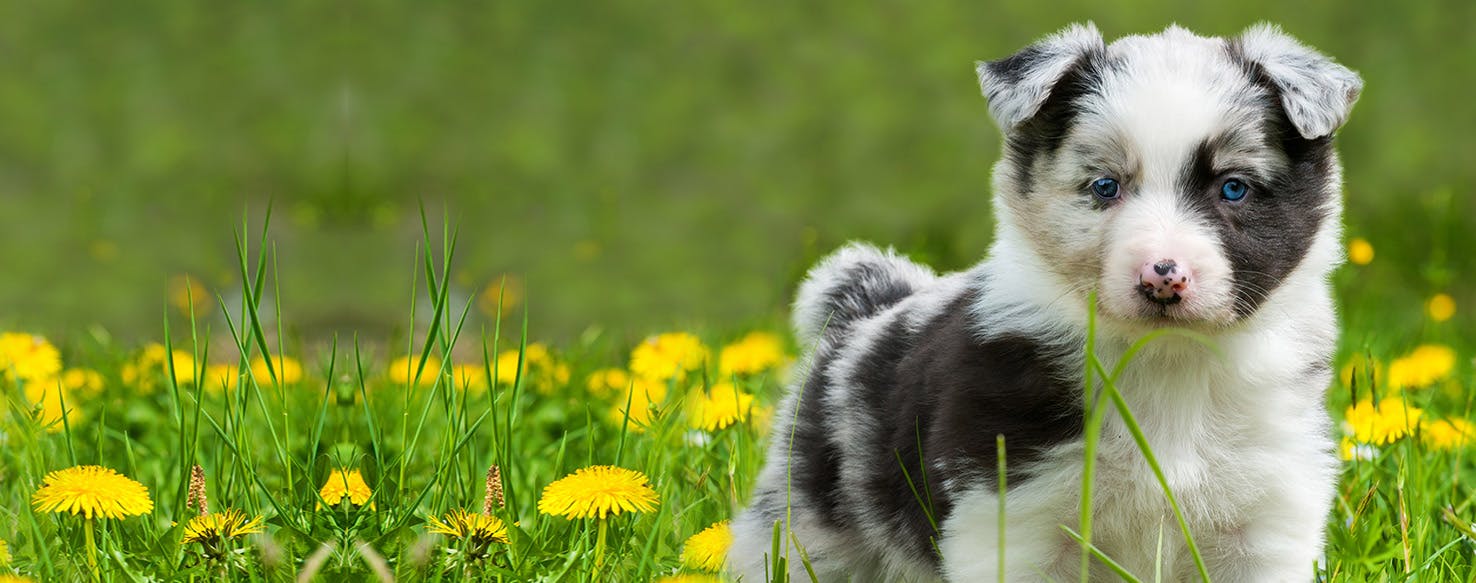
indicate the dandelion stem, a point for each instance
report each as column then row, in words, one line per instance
column 91, row 549
column 600, row 548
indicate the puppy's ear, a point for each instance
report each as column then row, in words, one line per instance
column 1317, row 93
column 1018, row 85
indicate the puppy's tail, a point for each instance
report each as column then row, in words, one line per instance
column 851, row 284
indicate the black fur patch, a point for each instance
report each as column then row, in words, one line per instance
column 1042, row 134
column 950, row 393
column 867, row 287
column 1266, row 235
column 817, row 471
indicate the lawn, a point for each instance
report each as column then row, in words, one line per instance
column 487, row 454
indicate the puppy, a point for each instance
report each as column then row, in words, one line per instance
column 1189, row 182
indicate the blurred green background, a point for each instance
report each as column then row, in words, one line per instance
column 634, row 165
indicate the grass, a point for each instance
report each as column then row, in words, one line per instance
column 423, row 431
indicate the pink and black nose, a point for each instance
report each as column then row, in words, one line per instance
column 1166, row 281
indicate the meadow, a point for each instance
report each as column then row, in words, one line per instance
column 488, row 455
column 572, row 377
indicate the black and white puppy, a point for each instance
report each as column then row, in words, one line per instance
column 1191, row 182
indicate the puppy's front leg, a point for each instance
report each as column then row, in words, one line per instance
column 1035, row 547
column 1281, row 541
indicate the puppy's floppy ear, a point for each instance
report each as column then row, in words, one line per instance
column 1018, row 85
column 1317, row 93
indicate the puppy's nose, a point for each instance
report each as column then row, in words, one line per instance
column 1165, row 281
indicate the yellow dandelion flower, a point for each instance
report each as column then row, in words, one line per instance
column 348, row 485
column 690, row 578
column 4, row 553
column 28, row 357
column 1447, row 433
column 210, row 529
column 1379, row 425
column 643, row 398
column 187, row 293
column 1441, row 307
column 1350, row 450
column 51, row 401
column 158, row 359
column 667, row 356
column 1360, row 252
column 607, row 381
column 724, row 405
column 755, row 353
column 541, row 371
column 83, row 382
column 500, row 296
column 145, row 373
column 7, row 578
column 221, row 378
column 92, row 491
column 470, row 377
column 707, row 550
column 1425, row 366
column 463, row 525
column 288, row 369
column 598, row 491
column 402, row 370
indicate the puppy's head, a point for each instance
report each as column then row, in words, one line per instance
column 1184, row 178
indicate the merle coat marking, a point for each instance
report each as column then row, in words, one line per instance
column 883, row 459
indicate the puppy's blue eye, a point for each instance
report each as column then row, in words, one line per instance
column 1105, row 188
column 1233, row 190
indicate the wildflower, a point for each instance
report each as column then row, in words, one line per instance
column 500, row 296
column 92, row 491
column 212, row 529
column 470, row 377
column 1447, row 433
column 607, row 381
column 1441, row 307
column 479, row 529
column 27, row 357
column 187, row 295
column 83, row 382
column 721, row 407
column 1382, row 424
column 541, row 370
column 598, row 491
column 1350, row 450
column 8, row 578
column 348, row 485
column 1423, row 367
column 287, row 369
column 52, row 403
column 707, row 550
column 4, row 553
column 1360, row 252
column 643, row 400
column 144, row 373
column 755, row 353
column 667, row 356
column 403, row 369
column 221, row 378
